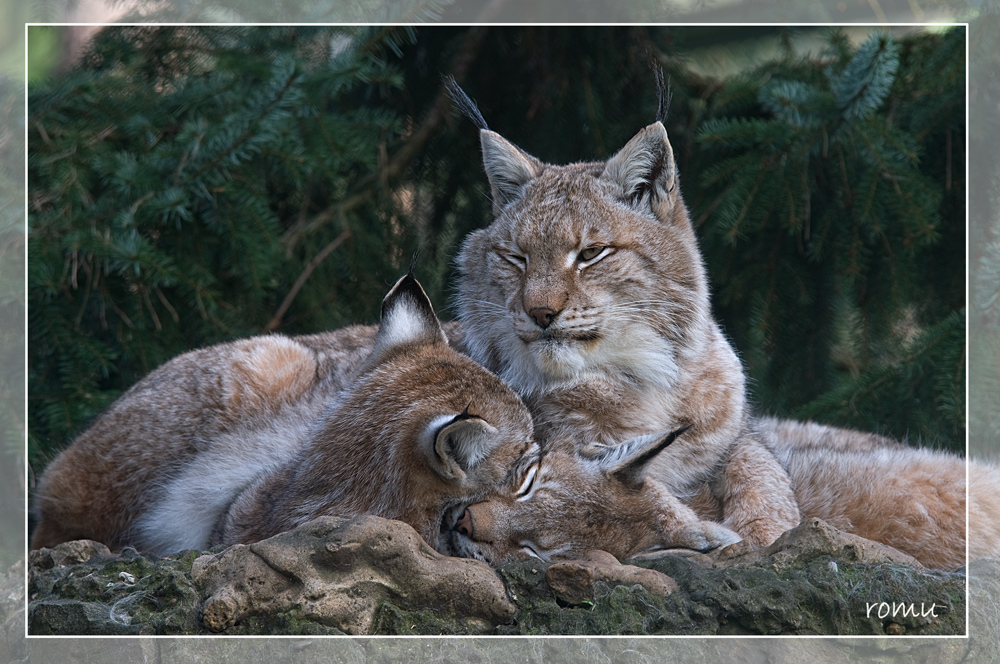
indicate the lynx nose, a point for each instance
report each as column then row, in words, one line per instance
column 464, row 524
column 543, row 316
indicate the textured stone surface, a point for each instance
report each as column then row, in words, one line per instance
column 582, row 581
column 809, row 540
column 339, row 572
column 373, row 576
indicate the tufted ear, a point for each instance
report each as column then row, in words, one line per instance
column 407, row 317
column 458, row 443
column 627, row 461
column 644, row 170
column 508, row 167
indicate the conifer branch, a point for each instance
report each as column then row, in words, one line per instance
column 247, row 135
column 400, row 160
column 300, row 282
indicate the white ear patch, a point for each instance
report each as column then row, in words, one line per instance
column 646, row 163
column 407, row 316
column 406, row 322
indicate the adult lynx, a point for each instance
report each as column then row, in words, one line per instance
column 588, row 295
column 240, row 441
column 594, row 306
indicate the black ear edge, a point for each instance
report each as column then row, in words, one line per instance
column 631, row 473
column 649, row 454
column 409, row 294
column 648, row 185
column 409, row 288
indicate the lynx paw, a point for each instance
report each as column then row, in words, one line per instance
column 707, row 535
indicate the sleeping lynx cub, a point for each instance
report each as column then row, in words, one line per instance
column 240, row 441
column 588, row 295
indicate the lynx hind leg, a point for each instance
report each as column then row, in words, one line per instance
column 265, row 374
column 758, row 501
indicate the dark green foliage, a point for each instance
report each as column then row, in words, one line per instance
column 190, row 185
column 181, row 180
column 836, row 234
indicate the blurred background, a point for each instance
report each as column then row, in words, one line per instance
column 190, row 185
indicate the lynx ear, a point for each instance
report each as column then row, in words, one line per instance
column 459, row 443
column 627, row 461
column 407, row 317
column 644, row 166
column 508, row 167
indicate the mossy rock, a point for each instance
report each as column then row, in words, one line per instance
column 800, row 588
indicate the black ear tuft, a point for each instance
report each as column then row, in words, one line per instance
column 466, row 105
column 662, row 94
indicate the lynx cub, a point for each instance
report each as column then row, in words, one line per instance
column 573, row 501
column 241, row 441
column 588, row 295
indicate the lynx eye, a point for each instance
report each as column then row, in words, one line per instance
column 525, row 490
column 517, row 260
column 592, row 254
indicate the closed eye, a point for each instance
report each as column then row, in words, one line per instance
column 517, row 260
column 527, row 486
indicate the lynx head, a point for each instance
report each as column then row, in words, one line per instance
column 586, row 269
column 430, row 430
column 572, row 501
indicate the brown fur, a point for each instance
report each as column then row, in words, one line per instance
column 587, row 293
column 913, row 499
column 98, row 486
column 242, row 440
column 573, row 504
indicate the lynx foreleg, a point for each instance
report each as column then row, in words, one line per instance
column 758, row 501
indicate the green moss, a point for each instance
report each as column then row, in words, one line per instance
column 815, row 597
column 392, row 620
column 282, row 623
column 121, row 594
